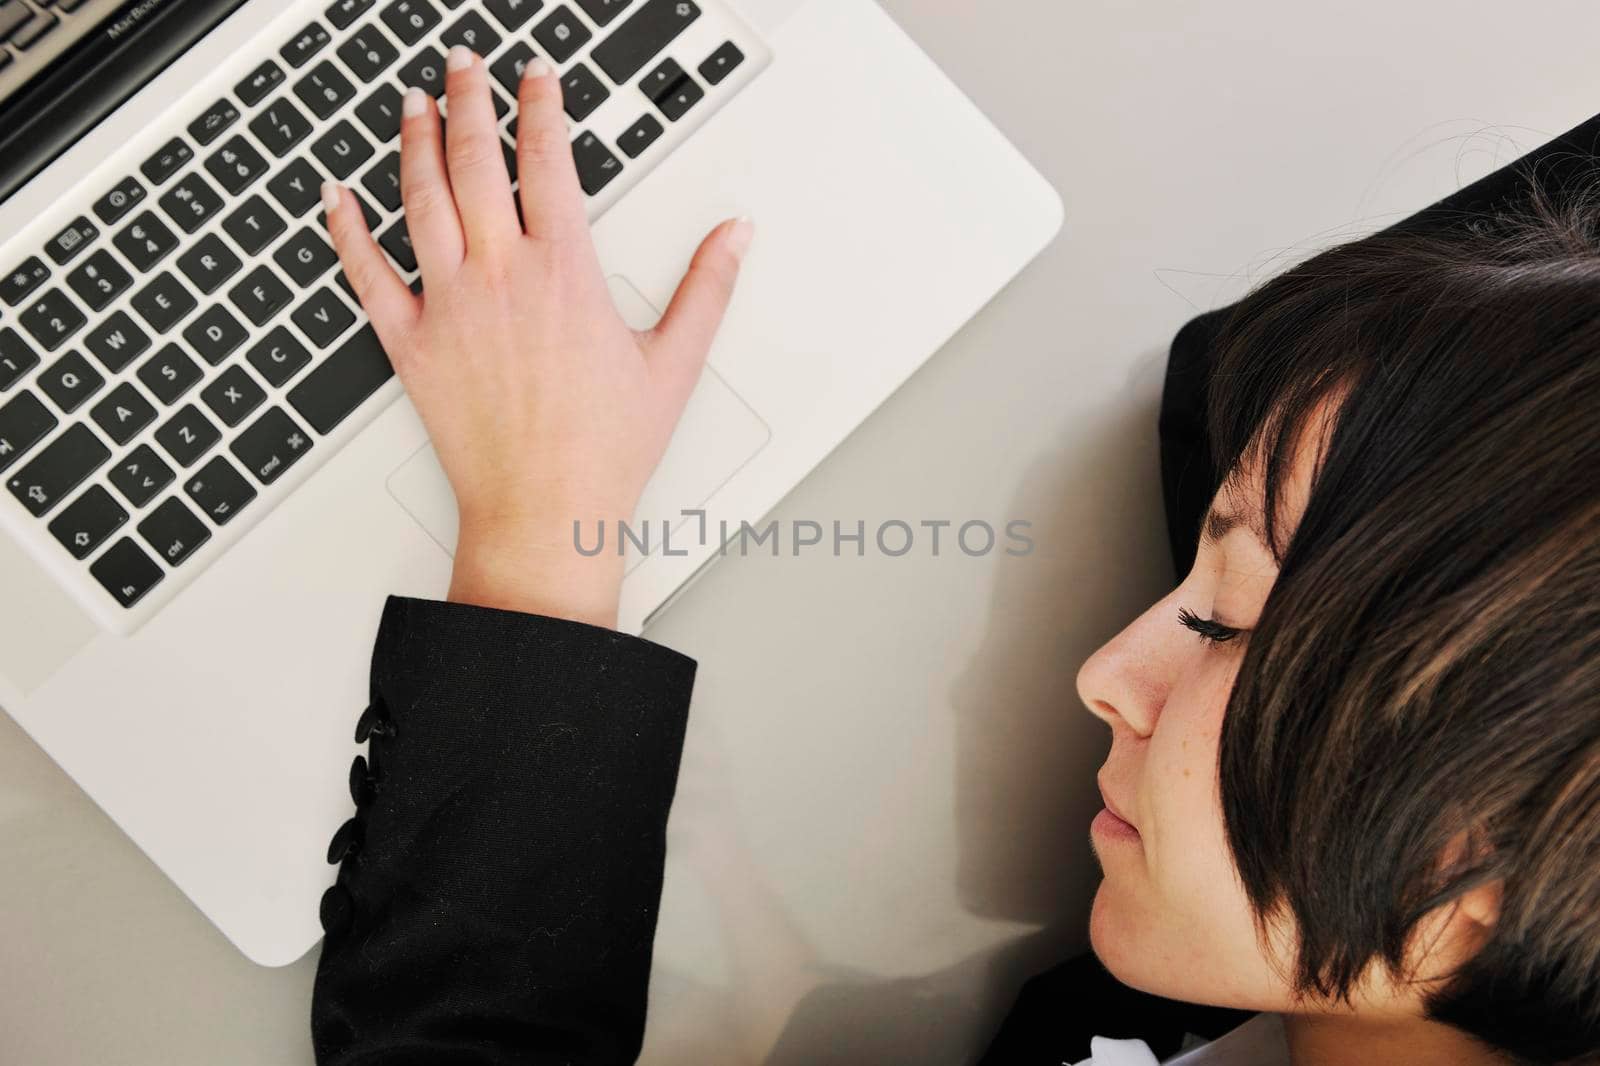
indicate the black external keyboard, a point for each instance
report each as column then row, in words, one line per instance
column 173, row 351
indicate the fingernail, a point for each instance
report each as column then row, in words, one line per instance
column 739, row 238
column 416, row 102
column 538, row 67
column 460, row 57
column 330, row 195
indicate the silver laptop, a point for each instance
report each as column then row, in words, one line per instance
column 212, row 479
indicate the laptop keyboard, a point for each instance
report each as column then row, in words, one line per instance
column 177, row 354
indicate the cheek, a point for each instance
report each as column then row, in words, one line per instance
column 1175, row 922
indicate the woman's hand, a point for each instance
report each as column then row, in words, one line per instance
column 544, row 407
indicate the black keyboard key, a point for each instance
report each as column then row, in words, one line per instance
column 123, row 413
column 164, row 302
column 305, row 257
column 24, row 422
column 85, row 523
column 16, row 357
column 271, row 445
column 173, row 531
column 119, row 201
column 298, row 187
column 20, row 283
column 99, row 280
column 262, row 80
column 410, row 19
column 254, row 225
column 342, row 381
column 126, row 572
column 324, row 90
column 471, row 31
column 209, row 126
column 640, row 135
column 281, row 126
column 583, row 92
column 640, row 39
column 659, row 82
column 235, row 165
column 368, row 53
column 596, row 165
column 305, row 44
column 117, row 341
column 233, row 395
column 191, row 202
column 507, row 70
column 219, row 490
column 215, row 334
column 397, row 242
column 208, row 263
column 513, row 13
column 52, row 318
column 169, row 374
column 424, row 71
column 383, row 181
column 380, row 113
column 260, row 295
column 278, row 357
column 187, row 435
column 69, row 381
column 603, row 11
column 141, row 475
column 63, row 465
column 64, row 246
column 145, row 241
column 323, row 317
column 167, row 161
column 344, row 13
column 342, row 150
column 680, row 98
column 721, row 63
column 563, row 34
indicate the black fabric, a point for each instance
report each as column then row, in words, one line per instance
column 501, row 901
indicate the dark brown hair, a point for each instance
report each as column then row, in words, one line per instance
column 1426, row 671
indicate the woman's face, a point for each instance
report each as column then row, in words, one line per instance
column 1171, row 916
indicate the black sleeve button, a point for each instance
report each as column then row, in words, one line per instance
column 346, row 842
column 337, row 910
column 362, row 785
column 373, row 723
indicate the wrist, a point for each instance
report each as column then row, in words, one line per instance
column 536, row 572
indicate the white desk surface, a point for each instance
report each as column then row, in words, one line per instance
column 888, row 773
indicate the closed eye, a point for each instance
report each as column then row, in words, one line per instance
column 1209, row 630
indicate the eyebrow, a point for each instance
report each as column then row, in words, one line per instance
column 1219, row 524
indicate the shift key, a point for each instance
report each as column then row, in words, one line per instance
column 338, row 386
column 643, row 37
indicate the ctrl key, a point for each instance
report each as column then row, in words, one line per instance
column 173, row 531
column 126, row 572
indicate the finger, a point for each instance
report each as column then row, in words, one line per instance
column 473, row 155
column 386, row 299
column 430, row 207
column 552, row 201
column 680, row 341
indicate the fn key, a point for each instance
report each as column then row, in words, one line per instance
column 126, row 572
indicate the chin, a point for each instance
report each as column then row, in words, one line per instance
column 1122, row 944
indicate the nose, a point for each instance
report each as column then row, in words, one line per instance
column 1126, row 682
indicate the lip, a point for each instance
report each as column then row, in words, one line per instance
column 1111, row 821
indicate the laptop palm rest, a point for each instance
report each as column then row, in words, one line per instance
column 718, row 435
column 37, row 641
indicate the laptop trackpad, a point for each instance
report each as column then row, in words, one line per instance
column 719, row 434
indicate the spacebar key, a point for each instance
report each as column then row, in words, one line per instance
column 346, row 378
column 640, row 39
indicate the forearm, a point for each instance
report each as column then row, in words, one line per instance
column 502, row 902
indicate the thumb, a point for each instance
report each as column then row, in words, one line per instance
column 678, row 345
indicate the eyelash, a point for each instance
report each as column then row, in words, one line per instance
column 1209, row 630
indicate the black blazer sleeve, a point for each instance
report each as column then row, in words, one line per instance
column 498, row 885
